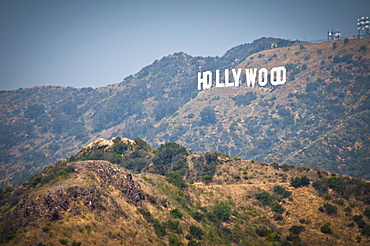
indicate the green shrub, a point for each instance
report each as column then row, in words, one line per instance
column 173, row 225
column 119, row 147
column 278, row 217
column 176, row 179
column 263, row 231
column 362, row 48
column 299, row 181
column 141, row 144
column 198, row 216
column 207, row 116
column 326, row 228
column 222, row 211
column 330, row 209
column 345, row 187
column 63, row 241
column 171, row 157
column 265, row 198
column 360, row 222
column 75, row 243
column 294, row 238
column 303, row 221
column 46, row 229
column 193, row 243
column 146, row 214
column 366, row 231
column 196, row 232
column 296, row 229
column 277, row 208
column 159, row 229
column 176, row 213
column 245, row 99
column 367, row 212
column 173, row 241
column 279, row 190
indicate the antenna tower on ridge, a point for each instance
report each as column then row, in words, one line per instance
column 363, row 27
column 332, row 35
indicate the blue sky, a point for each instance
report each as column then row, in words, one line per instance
column 92, row 43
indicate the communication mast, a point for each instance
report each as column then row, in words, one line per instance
column 333, row 35
column 363, row 27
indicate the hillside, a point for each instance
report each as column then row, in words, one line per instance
column 224, row 201
column 42, row 124
column 319, row 118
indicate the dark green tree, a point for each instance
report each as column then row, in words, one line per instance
column 299, row 181
column 222, row 211
column 207, row 116
column 326, row 228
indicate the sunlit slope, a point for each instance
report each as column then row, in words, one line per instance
column 319, row 117
column 181, row 198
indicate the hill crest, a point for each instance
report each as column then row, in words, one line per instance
column 242, row 202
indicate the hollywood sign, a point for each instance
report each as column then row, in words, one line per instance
column 277, row 77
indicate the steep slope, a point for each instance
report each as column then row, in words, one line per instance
column 42, row 124
column 85, row 202
column 319, row 118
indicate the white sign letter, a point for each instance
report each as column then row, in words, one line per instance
column 250, row 76
column 227, row 84
column 278, row 75
column 206, row 80
column 236, row 76
column 262, row 81
column 218, row 84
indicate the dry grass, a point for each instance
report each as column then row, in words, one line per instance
column 107, row 227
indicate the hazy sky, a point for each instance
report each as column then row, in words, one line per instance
column 82, row 43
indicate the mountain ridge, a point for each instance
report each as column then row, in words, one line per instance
column 224, row 95
column 43, row 124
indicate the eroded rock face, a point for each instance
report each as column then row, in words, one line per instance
column 51, row 204
column 47, row 206
column 110, row 175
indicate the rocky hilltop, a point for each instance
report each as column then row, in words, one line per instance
column 182, row 198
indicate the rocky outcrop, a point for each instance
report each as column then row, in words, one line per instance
column 52, row 204
column 109, row 174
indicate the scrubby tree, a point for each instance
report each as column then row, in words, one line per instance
column 196, row 232
column 263, row 231
column 296, row 229
column 299, row 181
column 207, row 116
column 326, row 228
column 222, row 210
column 176, row 213
column 265, row 198
column 330, row 209
column 171, row 157
column 281, row 191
